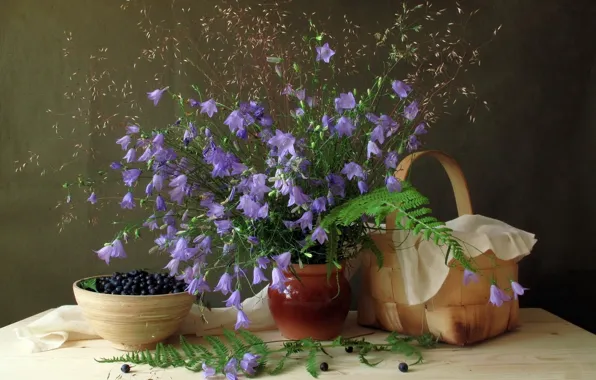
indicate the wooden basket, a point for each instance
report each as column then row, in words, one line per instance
column 459, row 314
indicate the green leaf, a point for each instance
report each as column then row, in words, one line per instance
column 89, row 284
column 311, row 363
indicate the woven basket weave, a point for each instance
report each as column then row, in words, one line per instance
column 458, row 314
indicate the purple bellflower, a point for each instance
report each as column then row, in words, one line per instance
column 155, row 95
column 324, row 53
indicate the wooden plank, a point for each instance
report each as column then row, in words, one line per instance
column 545, row 347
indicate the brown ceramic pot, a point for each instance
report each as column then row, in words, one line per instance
column 312, row 306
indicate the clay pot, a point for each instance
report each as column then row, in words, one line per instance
column 312, row 306
column 132, row 323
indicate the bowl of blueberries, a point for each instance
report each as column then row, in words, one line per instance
column 135, row 310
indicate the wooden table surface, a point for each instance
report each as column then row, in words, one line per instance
column 545, row 347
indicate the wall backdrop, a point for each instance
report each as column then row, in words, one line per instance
column 530, row 161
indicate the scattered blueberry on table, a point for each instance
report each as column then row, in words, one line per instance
column 125, row 368
column 403, row 367
column 324, row 367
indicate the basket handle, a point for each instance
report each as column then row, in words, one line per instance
column 456, row 177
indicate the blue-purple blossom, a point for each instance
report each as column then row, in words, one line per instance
column 324, row 53
column 371, row 149
column 300, row 94
column 151, row 223
column 299, row 112
column 155, row 95
column 344, row 127
column 223, row 226
column 130, row 155
column 132, row 129
column 128, row 201
column 242, row 321
column 420, row 129
column 401, row 89
column 197, row 285
column 305, row 221
column 149, row 188
column 250, row 207
column 378, row 134
column 284, row 142
column 262, row 262
column 352, row 169
column 116, row 249
column 469, row 276
column 249, row 363
column 225, row 284
column 362, row 187
column 160, row 204
column 518, row 290
column 326, row 121
column 411, row 111
column 92, row 198
column 319, row 205
column 124, row 142
column 158, row 140
column 393, row 184
column 234, row 299
column 258, row 276
column 209, row 107
column 146, row 155
column 278, row 280
column 190, row 134
column 253, row 240
column 413, row 143
column 173, row 266
column 116, row 165
column 297, row 197
column 283, row 260
column 337, row 186
column 498, row 296
column 235, row 121
column 391, row 160
column 130, row 176
column 231, row 368
column 345, row 102
column 193, row 103
column 208, row 371
column 157, row 182
column 319, row 235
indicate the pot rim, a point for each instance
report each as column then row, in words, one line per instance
column 76, row 288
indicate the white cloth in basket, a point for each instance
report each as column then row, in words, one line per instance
column 423, row 266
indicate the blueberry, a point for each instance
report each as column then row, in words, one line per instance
column 403, row 367
column 324, row 367
column 143, row 293
column 125, row 368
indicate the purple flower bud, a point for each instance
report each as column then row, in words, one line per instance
column 363, row 187
column 253, row 240
column 160, row 204
column 92, row 199
column 116, row 165
column 132, row 129
column 420, row 129
column 149, row 188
